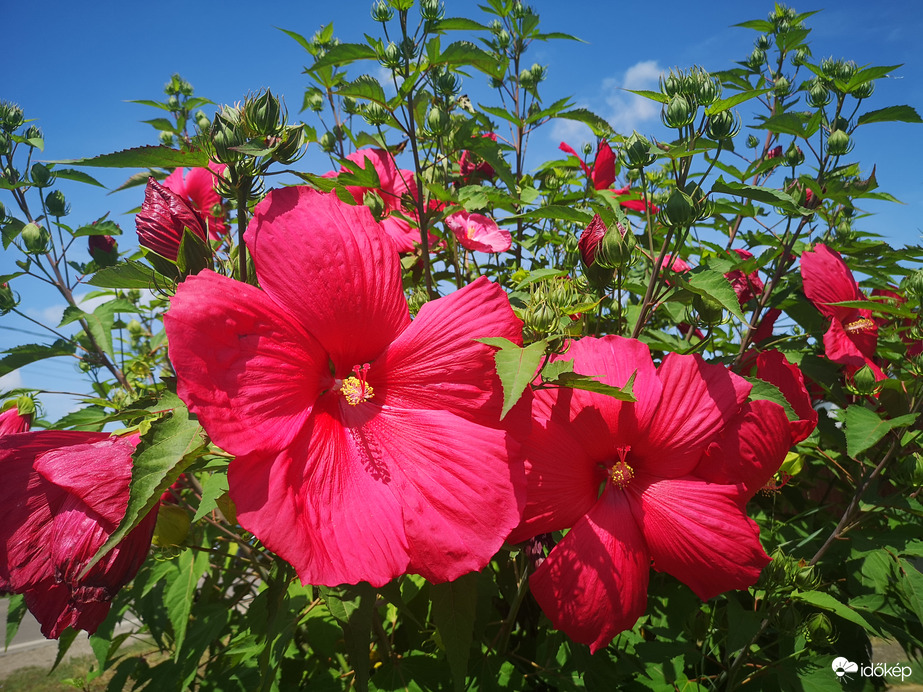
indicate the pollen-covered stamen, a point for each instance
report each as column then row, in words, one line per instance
column 356, row 389
column 620, row 473
column 859, row 325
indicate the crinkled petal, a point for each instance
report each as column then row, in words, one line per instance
column 593, row 584
column 436, row 363
column 243, row 366
column 827, row 279
column 698, row 400
column 750, row 451
column 773, row 367
column 698, row 532
column 333, row 268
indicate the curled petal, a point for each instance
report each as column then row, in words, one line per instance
column 773, row 367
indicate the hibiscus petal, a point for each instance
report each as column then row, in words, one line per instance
column 827, row 279
column 851, row 349
column 697, row 532
column 750, row 451
column 238, row 358
column 604, row 166
column 436, row 363
column 318, row 507
column 334, row 270
column 593, row 584
column 698, row 400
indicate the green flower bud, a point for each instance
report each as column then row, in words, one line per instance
column 829, row 67
column 202, row 121
column 448, row 84
column 12, row 117
column 36, row 239
column 806, row 578
column 708, row 310
column 673, row 84
column 390, row 56
column 328, row 142
column 756, row 59
column 863, row 382
column 437, row 121
column 723, row 125
column 840, row 123
column 261, row 115
column 8, row 299
column 787, row 619
column 914, row 283
column 313, row 99
column 41, row 176
column 503, row 40
column 381, row 12
column 417, row 300
column 800, row 57
column 34, row 133
column 705, row 88
column 752, row 141
column 5, row 142
column 173, row 104
column 135, row 328
column 846, row 69
column 818, row 95
column 679, row 210
column 56, row 204
column 375, row 114
column 226, row 134
column 701, row 203
column 763, row 42
column 782, row 87
column 538, row 73
column 636, row 152
column 541, row 318
column 616, row 248
column 838, row 143
column 290, row 150
column 793, row 155
column 432, row 10
column 678, row 113
column 166, row 138
column 864, row 90
column 818, row 630
column 2, row 213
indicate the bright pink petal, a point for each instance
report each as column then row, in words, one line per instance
column 604, row 167
column 698, row 400
column 200, row 188
column 334, row 270
column 243, row 365
column 698, row 532
column 405, row 237
column 593, row 584
column 852, row 349
column 750, row 451
column 11, row 422
column 477, row 232
column 827, row 279
column 437, row 364
column 570, row 150
column 774, row 368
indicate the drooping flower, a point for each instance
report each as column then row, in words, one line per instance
column 478, row 232
column 12, row 421
column 163, row 218
column 852, row 337
column 198, row 188
column 602, row 172
column 664, row 478
column 746, row 286
column 64, row 493
column 367, row 445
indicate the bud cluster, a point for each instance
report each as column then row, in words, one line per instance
column 686, row 91
column 258, row 128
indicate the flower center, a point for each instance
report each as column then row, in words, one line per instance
column 859, row 325
column 620, row 473
column 356, row 389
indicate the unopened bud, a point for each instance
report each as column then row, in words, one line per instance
column 678, row 113
column 800, row 57
column 503, row 40
column 673, row 84
column 375, row 114
column 41, row 176
column 328, row 142
column 705, row 88
column 723, row 125
column 679, row 210
column 437, row 121
column 863, row 382
column 12, row 117
column 166, row 138
column 838, row 143
column 103, row 249
column 793, row 155
column 709, row 310
column 226, row 134
column 375, row 203
column 819, row 630
column 448, row 84
column 818, row 95
column 763, row 42
column 752, row 141
column 782, row 87
column 390, row 56
column 846, row 69
column 636, row 152
column 431, row 10
column 135, row 328
column 36, row 239
column 864, row 90
column 202, row 121
column 541, row 318
column 615, row 249
column 381, row 12
column 756, row 59
column 56, row 204
column 261, row 115
column 914, row 283
column 8, row 299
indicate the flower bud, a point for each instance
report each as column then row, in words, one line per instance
column 432, row 10
column 135, row 328
column 763, row 42
column 787, row 619
column 503, row 40
column 381, row 12
column 448, row 84
column 806, row 578
column 390, row 56
column 702, row 205
column 782, row 87
column 56, row 204
column 163, row 218
column 36, row 239
column 540, row 318
column 706, row 89
column 756, row 59
column 864, row 90
column 261, row 115
column 290, row 150
column 709, row 310
column 590, row 239
column 793, row 155
column 328, row 142
column 679, row 210
column 829, row 67
column 800, row 57
column 5, row 142
column 678, row 113
column 2, row 213
column 41, row 176
column 538, row 73
column 33, row 133
column 172, row 526
column 819, row 630
column 103, row 249
column 636, row 152
column 166, row 139
column 616, row 248
column 226, row 134
column 863, row 382
column 723, row 125
column 8, row 299
column 838, row 143
column 840, row 123
column 173, row 104
column 417, row 300
column 375, row 114
column 914, row 283
column 846, row 69
column 437, row 121
column 752, row 141
column 818, row 95
column 202, row 122
column 673, row 84
column 11, row 117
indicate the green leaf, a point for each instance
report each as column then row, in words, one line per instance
column 876, row 306
column 713, row 284
column 190, row 566
column 15, row 611
column 64, row 643
column 78, row 176
column 214, row 487
column 366, row 87
column 145, row 157
column 354, row 608
column 597, row 124
column 902, row 114
column 589, row 383
column 166, row 449
column 454, row 606
column 559, row 212
column 161, row 124
column 797, row 124
column 458, row 24
column 462, row 53
column 910, row 588
column 101, row 227
column 129, row 274
column 29, row 353
column 540, row 275
column 766, row 195
column 735, row 100
column 763, row 390
column 343, row 54
column 864, row 428
column 516, row 367
column 657, row 96
column 824, row 601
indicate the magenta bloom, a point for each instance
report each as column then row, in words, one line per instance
column 163, row 218
column 852, row 337
column 665, row 478
column 478, row 232
column 64, row 493
column 746, row 286
column 367, row 445
column 602, row 173
column 198, row 188
column 11, row 421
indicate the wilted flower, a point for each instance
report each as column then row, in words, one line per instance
column 478, row 232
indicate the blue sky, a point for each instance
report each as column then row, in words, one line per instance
column 73, row 67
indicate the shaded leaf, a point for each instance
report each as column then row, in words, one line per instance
column 825, row 601
column 454, row 608
column 864, row 428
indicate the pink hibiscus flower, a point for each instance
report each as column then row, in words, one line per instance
column 852, row 337
column 64, row 493
column 198, row 188
column 367, row 445
column 477, row 232
column 664, row 478
column 602, row 173
column 163, row 218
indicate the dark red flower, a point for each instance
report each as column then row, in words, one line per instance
column 590, row 239
column 11, row 421
column 774, row 153
column 163, row 217
column 64, row 493
column 774, row 368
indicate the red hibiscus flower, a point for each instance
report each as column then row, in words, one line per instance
column 64, row 493
column 395, row 184
column 602, row 173
column 11, row 421
column 664, row 478
column 198, row 188
column 367, row 445
column 163, row 218
column 634, row 204
column 478, row 232
column 852, row 337
column 746, row 286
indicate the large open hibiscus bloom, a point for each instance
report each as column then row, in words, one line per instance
column 852, row 337
column 367, row 445
column 63, row 495
column 664, row 478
